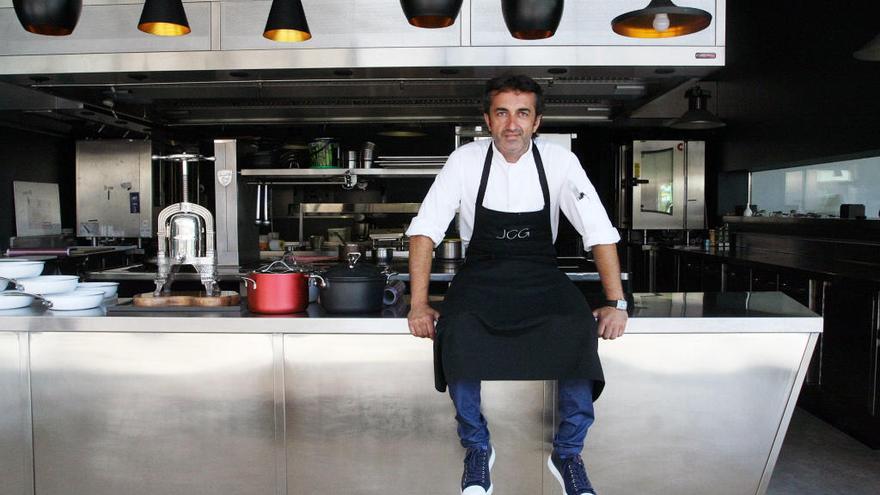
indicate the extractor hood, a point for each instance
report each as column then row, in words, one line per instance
column 364, row 63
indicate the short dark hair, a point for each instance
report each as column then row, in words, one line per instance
column 517, row 83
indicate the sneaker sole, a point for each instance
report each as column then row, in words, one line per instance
column 491, row 463
column 556, row 474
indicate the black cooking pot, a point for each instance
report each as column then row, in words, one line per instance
column 353, row 287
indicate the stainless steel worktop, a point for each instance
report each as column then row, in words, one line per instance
column 730, row 312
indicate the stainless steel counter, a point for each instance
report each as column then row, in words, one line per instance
column 698, row 398
column 728, row 312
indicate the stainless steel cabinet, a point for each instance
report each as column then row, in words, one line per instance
column 146, row 414
column 16, row 456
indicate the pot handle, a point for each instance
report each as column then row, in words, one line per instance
column 322, row 282
column 246, row 280
column 353, row 259
column 268, row 268
column 389, row 274
column 14, row 282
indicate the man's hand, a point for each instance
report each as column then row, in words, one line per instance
column 612, row 322
column 421, row 320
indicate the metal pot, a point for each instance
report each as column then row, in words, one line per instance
column 449, row 249
column 353, row 287
column 278, row 289
column 361, row 231
column 352, row 247
column 383, row 255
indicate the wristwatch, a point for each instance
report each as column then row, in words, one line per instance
column 617, row 304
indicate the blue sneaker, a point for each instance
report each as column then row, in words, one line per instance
column 571, row 474
column 478, row 463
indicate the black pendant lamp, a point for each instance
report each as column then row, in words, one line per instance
column 532, row 19
column 287, row 22
column 698, row 116
column 431, row 13
column 164, row 18
column 661, row 19
column 49, row 17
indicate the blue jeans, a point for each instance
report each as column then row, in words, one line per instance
column 575, row 402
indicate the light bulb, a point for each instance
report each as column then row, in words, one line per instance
column 661, row 22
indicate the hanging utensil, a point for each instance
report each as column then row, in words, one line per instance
column 266, row 221
column 257, row 221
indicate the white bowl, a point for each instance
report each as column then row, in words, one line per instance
column 75, row 300
column 20, row 268
column 15, row 300
column 49, row 284
column 109, row 288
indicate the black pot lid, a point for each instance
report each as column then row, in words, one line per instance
column 354, row 271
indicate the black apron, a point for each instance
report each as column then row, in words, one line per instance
column 510, row 313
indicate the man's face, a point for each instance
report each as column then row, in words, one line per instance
column 512, row 120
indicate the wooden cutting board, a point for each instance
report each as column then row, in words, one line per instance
column 186, row 298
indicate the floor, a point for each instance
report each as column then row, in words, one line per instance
column 819, row 459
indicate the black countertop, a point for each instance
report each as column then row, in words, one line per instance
column 822, row 268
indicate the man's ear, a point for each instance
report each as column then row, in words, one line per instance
column 537, row 123
column 486, row 119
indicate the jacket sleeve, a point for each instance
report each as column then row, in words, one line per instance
column 440, row 204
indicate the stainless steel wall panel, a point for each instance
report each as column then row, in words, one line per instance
column 153, row 414
column 696, row 185
column 106, row 29
column 16, row 454
column 226, row 201
column 107, row 173
column 585, row 23
column 370, row 400
column 333, row 24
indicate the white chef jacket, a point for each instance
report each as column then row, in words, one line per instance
column 513, row 188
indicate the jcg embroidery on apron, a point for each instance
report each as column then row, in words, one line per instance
column 510, row 313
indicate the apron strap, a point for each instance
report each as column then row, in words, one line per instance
column 541, row 175
column 484, row 179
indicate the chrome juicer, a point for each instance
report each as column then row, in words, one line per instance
column 186, row 235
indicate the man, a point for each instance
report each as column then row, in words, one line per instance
column 509, row 192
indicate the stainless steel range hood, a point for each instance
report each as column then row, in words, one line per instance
column 365, row 63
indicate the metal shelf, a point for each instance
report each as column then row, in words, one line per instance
column 327, row 173
column 338, row 208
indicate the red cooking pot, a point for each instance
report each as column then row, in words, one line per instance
column 278, row 289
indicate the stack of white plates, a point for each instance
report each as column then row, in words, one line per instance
column 59, row 290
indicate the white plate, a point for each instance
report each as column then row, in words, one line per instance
column 99, row 311
column 49, row 284
column 16, row 301
column 109, row 288
column 75, row 300
column 20, row 268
